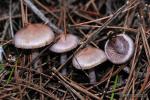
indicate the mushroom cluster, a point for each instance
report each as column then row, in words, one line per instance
column 118, row 49
column 34, row 36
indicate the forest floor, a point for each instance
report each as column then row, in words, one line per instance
column 24, row 76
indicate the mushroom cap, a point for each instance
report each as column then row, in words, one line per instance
column 119, row 49
column 65, row 43
column 88, row 58
column 33, row 36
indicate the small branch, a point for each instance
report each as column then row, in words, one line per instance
column 74, row 85
column 45, row 8
column 42, row 16
column 10, row 19
column 6, row 26
column 71, row 89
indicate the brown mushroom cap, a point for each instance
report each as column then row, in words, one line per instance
column 33, row 36
column 65, row 43
column 88, row 58
column 119, row 49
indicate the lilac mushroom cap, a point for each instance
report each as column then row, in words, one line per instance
column 65, row 43
column 119, row 49
column 88, row 58
column 33, row 36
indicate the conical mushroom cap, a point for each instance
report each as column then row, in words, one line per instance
column 65, row 43
column 119, row 49
column 33, row 36
column 88, row 57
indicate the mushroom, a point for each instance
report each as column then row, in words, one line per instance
column 87, row 59
column 33, row 36
column 64, row 44
column 119, row 49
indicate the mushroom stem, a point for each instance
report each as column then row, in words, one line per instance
column 34, row 54
column 92, row 76
column 1, row 54
column 108, row 7
column 63, row 59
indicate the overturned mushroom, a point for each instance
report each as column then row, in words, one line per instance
column 87, row 59
column 33, row 36
column 119, row 49
column 64, row 44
